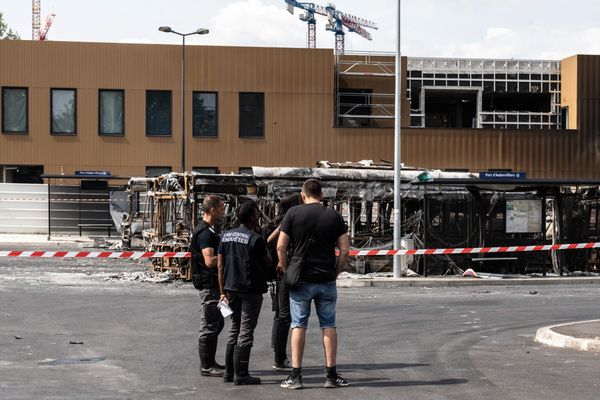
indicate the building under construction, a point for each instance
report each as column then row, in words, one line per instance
column 116, row 108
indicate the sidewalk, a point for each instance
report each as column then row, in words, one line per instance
column 42, row 239
column 459, row 281
column 584, row 335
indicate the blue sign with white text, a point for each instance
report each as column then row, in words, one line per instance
column 92, row 173
column 500, row 175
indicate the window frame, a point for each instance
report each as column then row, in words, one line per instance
column 169, row 167
column 240, row 135
column 216, row 134
column 215, row 169
column 170, row 134
column 26, row 131
column 100, row 91
column 52, row 132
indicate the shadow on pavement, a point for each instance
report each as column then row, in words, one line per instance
column 374, row 382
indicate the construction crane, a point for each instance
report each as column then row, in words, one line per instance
column 36, row 19
column 37, row 32
column 309, row 17
column 338, row 20
column 44, row 31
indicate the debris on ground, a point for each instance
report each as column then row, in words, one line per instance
column 75, row 342
column 142, row 276
column 18, row 337
column 533, row 292
column 470, row 273
column 116, row 246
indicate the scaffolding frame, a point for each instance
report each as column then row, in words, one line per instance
column 485, row 75
column 489, row 75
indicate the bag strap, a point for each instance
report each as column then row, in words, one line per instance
column 315, row 230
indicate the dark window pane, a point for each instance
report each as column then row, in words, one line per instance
column 111, row 112
column 252, row 114
column 157, row 171
column 158, row 113
column 246, row 171
column 206, row 170
column 64, row 111
column 204, row 109
column 14, row 110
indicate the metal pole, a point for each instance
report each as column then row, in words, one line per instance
column 183, row 105
column 397, row 159
column 49, row 220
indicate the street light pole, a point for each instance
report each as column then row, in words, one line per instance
column 183, row 103
column 200, row 31
column 397, row 158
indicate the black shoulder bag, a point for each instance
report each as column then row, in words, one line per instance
column 291, row 276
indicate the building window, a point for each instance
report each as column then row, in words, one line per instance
column 63, row 103
column 111, row 112
column 158, row 113
column 246, row 171
column 21, row 173
column 564, row 117
column 252, row 115
column 206, row 170
column 153, row 172
column 14, row 110
column 204, row 110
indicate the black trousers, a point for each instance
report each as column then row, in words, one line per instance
column 246, row 309
column 281, row 320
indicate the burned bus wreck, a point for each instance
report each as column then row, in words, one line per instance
column 439, row 210
column 462, row 213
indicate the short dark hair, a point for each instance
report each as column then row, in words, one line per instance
column 246, row 211
column 312, row 188
column 211, row 201
column 287, row 202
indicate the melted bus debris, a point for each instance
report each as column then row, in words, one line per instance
column 439, row 209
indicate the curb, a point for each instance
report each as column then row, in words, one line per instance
column 459, row 282
column 550, row 338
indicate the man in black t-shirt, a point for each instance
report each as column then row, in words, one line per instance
column 312, row 232
column 242, row 261
column 204, row 245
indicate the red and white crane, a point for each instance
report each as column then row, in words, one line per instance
column 37, row 31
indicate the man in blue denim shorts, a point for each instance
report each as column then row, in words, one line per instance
column 312, row 232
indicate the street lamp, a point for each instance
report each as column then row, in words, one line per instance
column 200, row 31
column 397, row 159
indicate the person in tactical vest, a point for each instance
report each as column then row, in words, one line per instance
column 242, row 260
column 204, row 246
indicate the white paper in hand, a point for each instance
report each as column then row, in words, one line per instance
column 223, row 305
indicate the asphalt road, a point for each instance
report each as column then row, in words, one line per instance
column 139, row 340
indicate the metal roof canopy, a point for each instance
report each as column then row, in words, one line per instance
column 509, row 184
column 84, row 177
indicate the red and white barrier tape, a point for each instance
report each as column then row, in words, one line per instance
column 367, row 253
column 59, row 200
column 96, row 254
column 477, row 250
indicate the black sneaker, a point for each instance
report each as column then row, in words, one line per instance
column 285, row 365
column 336, row 381
column 292, row 383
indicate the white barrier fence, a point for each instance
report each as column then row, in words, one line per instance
column 23, row 208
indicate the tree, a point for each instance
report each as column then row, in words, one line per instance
column 6, row 32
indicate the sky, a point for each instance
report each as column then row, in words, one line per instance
column 520, row 29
